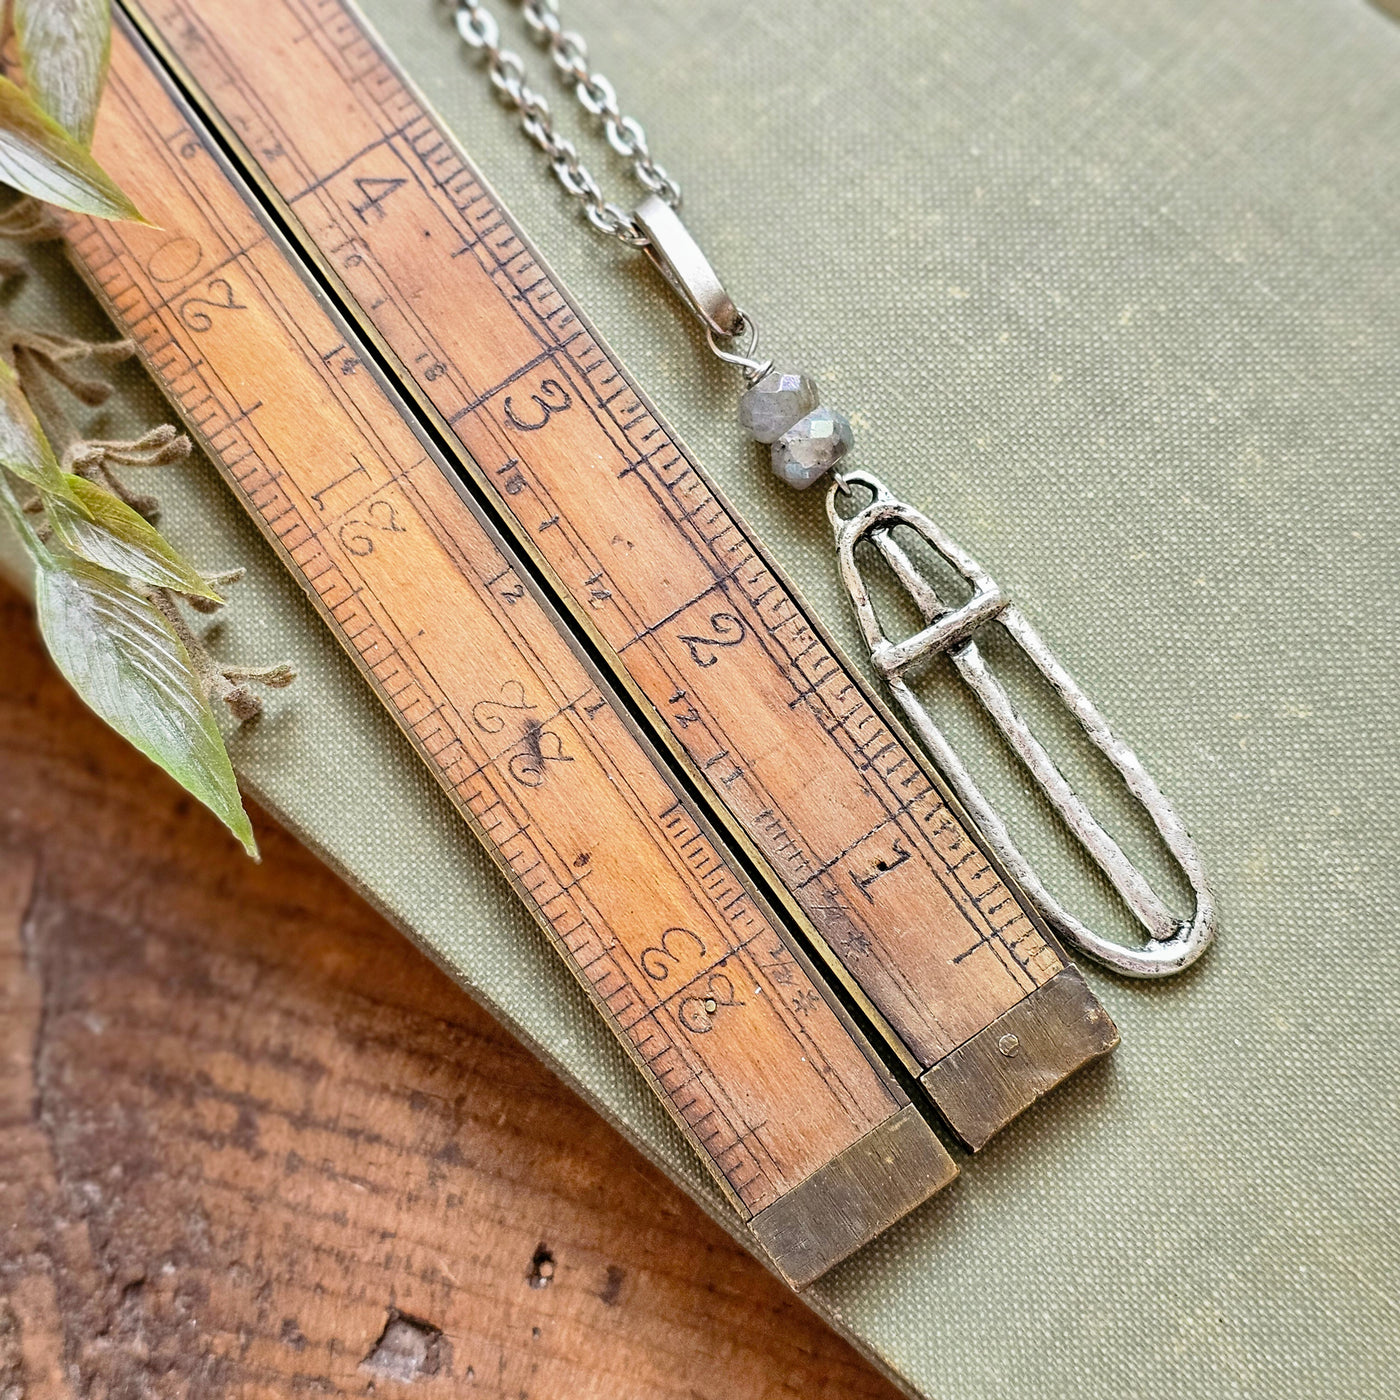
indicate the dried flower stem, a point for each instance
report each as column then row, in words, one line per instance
column 45, row 361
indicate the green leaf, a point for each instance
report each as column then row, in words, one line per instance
column 106, row 531
column 126, row 661
column 64, row 46
column 23, row 527
column 38, row 157
column 23, row 447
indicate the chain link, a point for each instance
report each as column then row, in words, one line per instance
column 596, row 95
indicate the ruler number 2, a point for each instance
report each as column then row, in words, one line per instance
column 379, row 515
column 220, row 297
column 726, row 630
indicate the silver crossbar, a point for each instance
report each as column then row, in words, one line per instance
column 1173, row 943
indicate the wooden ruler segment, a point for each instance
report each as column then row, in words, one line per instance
column 772, row 1084
column 900, row 897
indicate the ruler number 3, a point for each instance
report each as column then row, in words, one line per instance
column 552, row 398
column 658, row 959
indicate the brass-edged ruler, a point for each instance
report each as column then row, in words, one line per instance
column 811, row 1137
column 407, row 276
column 800, row 763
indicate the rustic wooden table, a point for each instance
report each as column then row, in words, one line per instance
column 253, row 1144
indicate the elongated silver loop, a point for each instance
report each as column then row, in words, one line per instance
column 1172, row 943
column 678, row 257
column 478, row 28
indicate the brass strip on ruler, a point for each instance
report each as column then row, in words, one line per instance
column 803, row 766
column 763, row 1071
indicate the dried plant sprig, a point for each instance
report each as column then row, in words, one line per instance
column 95, row 459
column 157, row 448
column 233, row 685
column 109, row 587
column 30, row 220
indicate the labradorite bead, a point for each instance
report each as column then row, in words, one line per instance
column 809, row 449
column 780, row 399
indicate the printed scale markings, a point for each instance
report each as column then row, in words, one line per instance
column 943, row 947
column 169, row 294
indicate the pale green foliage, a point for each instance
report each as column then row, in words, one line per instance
column 105, row 531
column 39, row 158
column 106, row 582
column 23, row 447
column 126, row 661
column 46, row 127
column 63, row 47
column 102, row 626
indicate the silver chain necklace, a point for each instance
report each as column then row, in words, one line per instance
column 807, row 441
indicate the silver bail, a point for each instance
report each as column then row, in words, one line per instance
column 679, row 260
column 1173, row 943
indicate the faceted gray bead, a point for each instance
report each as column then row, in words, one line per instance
column 775, row 403
column 809, row 449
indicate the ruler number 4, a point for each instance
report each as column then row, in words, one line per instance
column 375, row 189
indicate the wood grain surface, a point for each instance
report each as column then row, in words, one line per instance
column 685, row 608
column 254, row 1144
column 700, row 981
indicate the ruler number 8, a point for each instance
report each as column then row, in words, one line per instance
column 697, row 1014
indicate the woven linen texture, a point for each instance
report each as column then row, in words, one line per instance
column 1111, row 291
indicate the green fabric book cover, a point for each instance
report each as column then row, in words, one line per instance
column 1111, row 292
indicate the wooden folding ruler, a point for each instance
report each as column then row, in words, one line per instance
column 408, row 276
